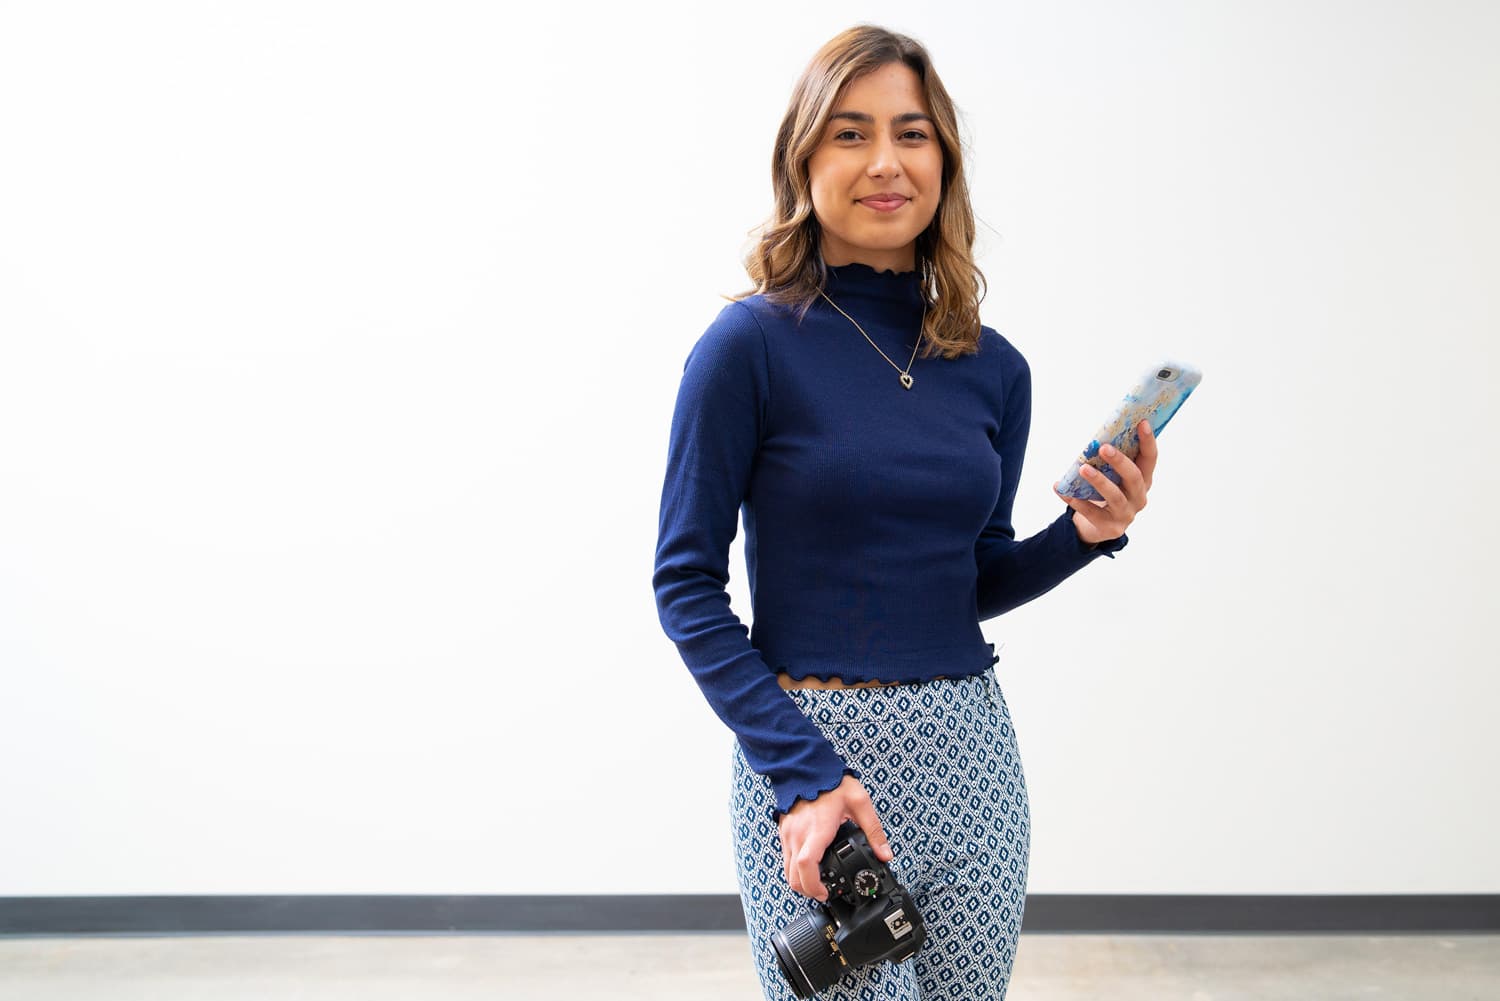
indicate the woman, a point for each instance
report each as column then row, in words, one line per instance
column 876, row 481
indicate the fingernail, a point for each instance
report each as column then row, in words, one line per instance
column 1108, row 450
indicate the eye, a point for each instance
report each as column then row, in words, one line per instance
column 846, row 135
column 915, row 135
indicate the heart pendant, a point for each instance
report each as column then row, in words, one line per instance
column 905, row 380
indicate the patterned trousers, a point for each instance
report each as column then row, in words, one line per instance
column 939, row 759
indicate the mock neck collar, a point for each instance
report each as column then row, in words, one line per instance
column 856, row 280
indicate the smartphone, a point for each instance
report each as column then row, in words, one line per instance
column 1156, row 397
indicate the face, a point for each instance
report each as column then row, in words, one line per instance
column 877, row 173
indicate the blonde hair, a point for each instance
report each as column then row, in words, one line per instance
column 786, row 264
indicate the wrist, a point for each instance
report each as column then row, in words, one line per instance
column 1088, row 536
column 1089, row 541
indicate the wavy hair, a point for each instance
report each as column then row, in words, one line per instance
column 786, row 263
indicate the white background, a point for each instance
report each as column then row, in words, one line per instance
column 339, row 343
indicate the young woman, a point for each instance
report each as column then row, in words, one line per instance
column 872, row 431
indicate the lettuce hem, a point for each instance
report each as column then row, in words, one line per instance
column 777, row 811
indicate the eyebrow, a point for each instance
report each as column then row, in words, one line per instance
column 864, row 119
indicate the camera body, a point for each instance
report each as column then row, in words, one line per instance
column 868, row 918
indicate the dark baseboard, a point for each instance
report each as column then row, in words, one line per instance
column 1082, row 913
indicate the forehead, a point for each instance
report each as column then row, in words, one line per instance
column 891, row 89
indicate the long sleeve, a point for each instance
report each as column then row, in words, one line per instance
column 1012, row 573
column 717, row 425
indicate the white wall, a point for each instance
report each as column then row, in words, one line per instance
column 338, row 346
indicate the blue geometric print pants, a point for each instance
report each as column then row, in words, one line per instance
column 940, row 761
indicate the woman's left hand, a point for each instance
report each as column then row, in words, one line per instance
column 1106, row 520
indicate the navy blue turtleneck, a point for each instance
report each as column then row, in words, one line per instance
column 877, row 519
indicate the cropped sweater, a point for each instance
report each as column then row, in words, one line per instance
column 877, row 518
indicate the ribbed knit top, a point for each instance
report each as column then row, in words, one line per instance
column 877, row 519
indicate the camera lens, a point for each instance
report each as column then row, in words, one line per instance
column 804, row 955
column 1165, row 373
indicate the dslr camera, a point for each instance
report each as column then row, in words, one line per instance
column 867, row 918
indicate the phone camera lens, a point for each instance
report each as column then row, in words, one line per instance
column 1165, row 373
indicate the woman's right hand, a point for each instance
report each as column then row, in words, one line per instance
column 809, row 827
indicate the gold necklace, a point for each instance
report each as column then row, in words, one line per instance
column 906, row 379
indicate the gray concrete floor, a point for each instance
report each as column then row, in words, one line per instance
column 716, row 967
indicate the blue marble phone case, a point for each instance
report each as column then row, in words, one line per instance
column 1156, row 398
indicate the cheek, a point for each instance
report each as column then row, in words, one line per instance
column 934, row 171
column 825, row 189
column 935, row 185
column 932, row 206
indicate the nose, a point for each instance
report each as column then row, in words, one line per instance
column 885, row 158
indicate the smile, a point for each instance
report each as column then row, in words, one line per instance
column 884, row 204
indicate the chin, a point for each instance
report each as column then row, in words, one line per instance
column 884, row 239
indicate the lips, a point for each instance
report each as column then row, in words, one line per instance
column 885, row 201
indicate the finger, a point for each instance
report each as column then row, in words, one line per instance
column 1114, row 514
column 1075, row 502
column 1083, row 507
column 1146, row 458
column 787, row 868
column 809, row 853
column 1112, row 494
column 864, row 815
column 1132, row 481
